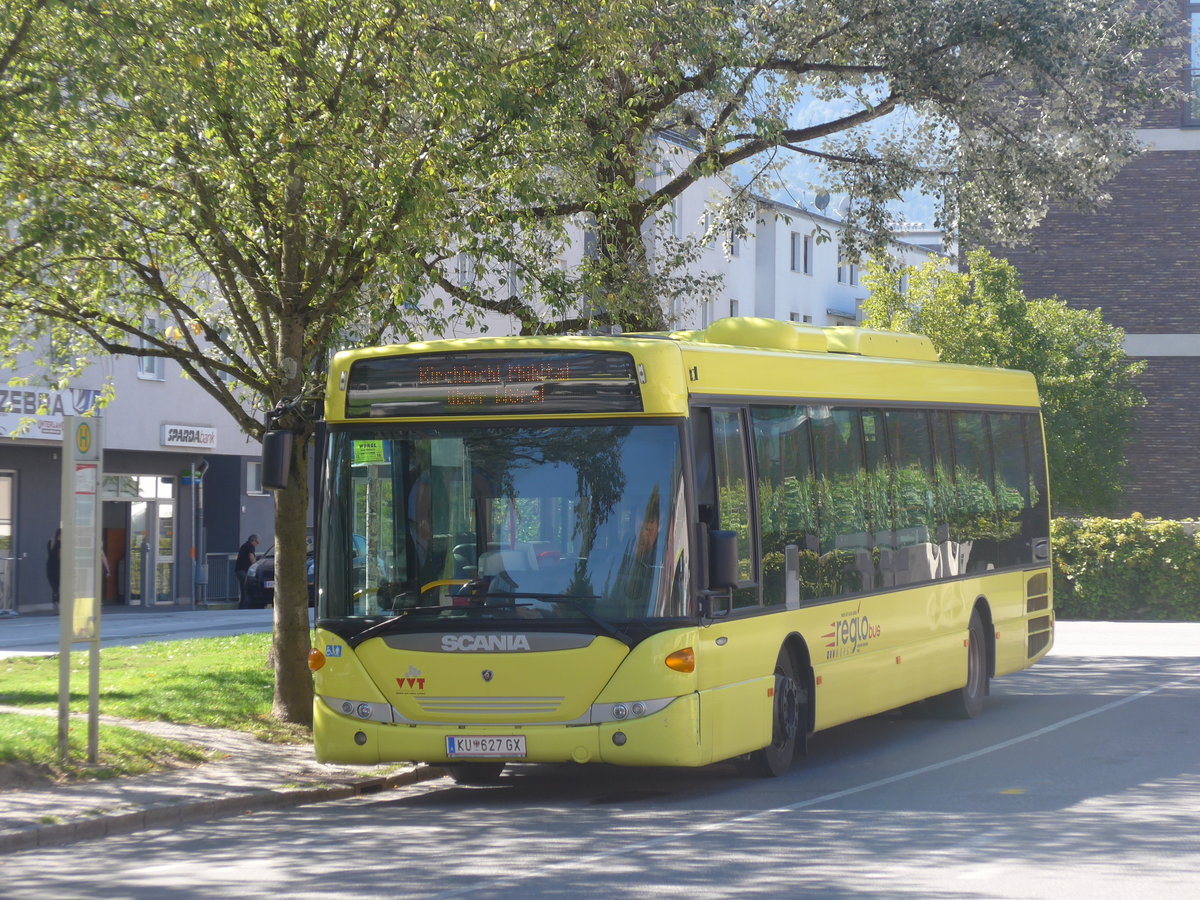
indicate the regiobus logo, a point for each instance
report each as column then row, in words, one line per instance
column 849, row 633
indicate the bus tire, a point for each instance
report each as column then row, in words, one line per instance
column 480, row 773
column 788, row 717
column 967, row 701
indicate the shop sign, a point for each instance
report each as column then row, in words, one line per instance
column 188, row 436
column 37, row 413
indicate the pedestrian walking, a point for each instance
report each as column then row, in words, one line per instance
column 245, row 558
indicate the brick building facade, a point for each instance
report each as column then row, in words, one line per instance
column 1138, row 260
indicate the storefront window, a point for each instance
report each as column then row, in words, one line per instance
column 137, row 487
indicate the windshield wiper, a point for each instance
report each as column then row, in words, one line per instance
column 480, row 598
column 606, row 626
column 381, row 627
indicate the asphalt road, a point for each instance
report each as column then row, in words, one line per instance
column 1080, row 780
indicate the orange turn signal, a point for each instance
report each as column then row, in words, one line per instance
column 682, row 660
column 316, row 659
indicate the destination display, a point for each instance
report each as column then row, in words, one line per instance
column 493, row 383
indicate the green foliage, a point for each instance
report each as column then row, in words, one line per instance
column 242, row 187
column 981, row 317
column 992, row 107
column 1126, row 569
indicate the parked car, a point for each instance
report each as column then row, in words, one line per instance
column 260, row 580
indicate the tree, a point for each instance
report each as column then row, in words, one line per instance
column 1087, row 384
column 994, row 108
column 20, row 34
column 240, row 187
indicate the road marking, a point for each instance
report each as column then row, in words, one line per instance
column 726, row 824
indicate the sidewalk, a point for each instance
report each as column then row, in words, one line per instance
column 253, row 776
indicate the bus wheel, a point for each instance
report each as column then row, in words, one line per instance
column 967, row 701
column 476, row 773
column 776, row 758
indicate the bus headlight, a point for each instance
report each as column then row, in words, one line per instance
column 621, row 712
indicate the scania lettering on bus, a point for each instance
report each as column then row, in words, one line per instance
column 484, row 643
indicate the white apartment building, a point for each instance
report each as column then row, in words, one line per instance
column 786, row 264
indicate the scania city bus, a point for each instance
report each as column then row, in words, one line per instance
column 667, row 549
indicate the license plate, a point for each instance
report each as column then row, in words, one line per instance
column 269, row 584
column 508, row 747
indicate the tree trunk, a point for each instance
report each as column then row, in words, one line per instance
column 293, row 681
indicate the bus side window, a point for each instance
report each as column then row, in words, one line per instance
column 1037, row 526
column 912, row 497
column 732, row 477
column 943, row 493
column 877, row 491
column 787, row 514
column 845, row 545
column 974, row 524
column 702, row 449
column 1012, row 488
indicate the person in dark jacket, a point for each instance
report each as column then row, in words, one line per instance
column 245, row 558
column 54, row 564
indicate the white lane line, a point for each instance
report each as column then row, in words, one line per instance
column 549, row 868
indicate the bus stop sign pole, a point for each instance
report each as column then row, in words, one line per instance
column 79, row 578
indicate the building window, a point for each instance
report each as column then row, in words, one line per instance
column 465, row 269
column 254, row 478
column 515, row 284
column 150, row 368
column 735, row 244
column 807, row 320
column 802, row 253
column 842, row 273
column 677, row 218
column 794, row 317
column 733, row 307
column 1193, row 107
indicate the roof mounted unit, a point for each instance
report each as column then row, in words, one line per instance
column 770, row 334
column 773, row 334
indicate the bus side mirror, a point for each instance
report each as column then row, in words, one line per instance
column 276, row 459
column 722, row 560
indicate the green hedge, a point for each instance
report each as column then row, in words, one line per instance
column 1126, row 569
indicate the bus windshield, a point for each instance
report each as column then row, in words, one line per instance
column 584, row 522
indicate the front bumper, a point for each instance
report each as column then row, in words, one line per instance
column 670, row 737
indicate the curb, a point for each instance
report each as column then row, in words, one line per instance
column 205, row 810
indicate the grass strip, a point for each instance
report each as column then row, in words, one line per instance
column 221, row 682
column 29, row 752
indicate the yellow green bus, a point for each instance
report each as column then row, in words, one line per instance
column 667, row 549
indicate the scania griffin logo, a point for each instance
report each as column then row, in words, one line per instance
column 487, row 674
column 484, row 643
